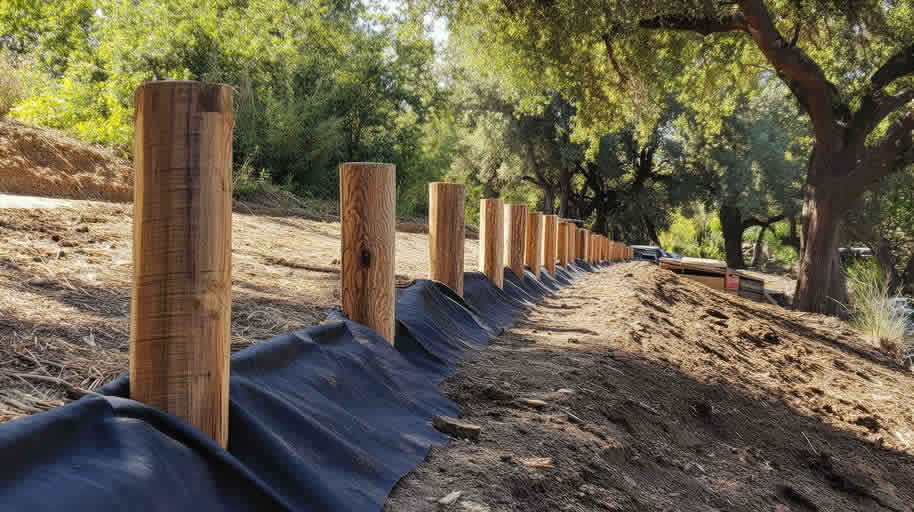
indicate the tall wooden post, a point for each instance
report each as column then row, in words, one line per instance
column 180, row 314
column 550, row 241
column 367, row 216
column 588, row 240
column 562, row 243
column 492, row 240
column 446, row 217
column 578, row 243
column 515, row 233
column 534, row 250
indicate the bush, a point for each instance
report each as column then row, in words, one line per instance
column 12, row 84
column 872, row 308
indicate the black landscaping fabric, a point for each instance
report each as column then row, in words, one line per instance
column 324, row 419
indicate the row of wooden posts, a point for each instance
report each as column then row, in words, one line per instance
column 180, row 325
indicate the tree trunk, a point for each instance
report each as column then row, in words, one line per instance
column 548, row 200
column 907, row 277
column 601, row 222
column 731, row 222
column 651, row 229
column 821, row 284
column 757, row 249
column 564, row 192
column 794, row 239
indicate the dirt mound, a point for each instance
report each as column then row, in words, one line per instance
column 36, row 161
column 65, row 291
column 662, row 394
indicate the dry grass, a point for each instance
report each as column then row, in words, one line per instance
column 37, row 161
column 65, row 292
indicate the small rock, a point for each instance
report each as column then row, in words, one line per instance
column 566, row 391
column 450, row 498
column 532, row 402
column 574, row 419
column 456, row 428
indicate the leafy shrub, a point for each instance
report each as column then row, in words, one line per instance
column 698, row 235
column 12, row 85
column 90, row 111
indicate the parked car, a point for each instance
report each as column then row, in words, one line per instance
column 652, row 253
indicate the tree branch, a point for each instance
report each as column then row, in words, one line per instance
column 752, row 221
column 610, row 52
column 873, row 109
column 804, row 77
column 899, row 65
column 893, row 153
column 703, row 26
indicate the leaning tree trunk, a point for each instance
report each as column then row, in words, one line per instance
column 731, row 223
column 821, row 284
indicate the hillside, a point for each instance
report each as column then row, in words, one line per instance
column 660, row 394
column 37, row 161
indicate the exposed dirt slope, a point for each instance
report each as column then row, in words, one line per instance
column 65, row 292
column 662, row 394
column 41, row 162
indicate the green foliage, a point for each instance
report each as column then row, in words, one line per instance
column 12, row 88
column 695, row 233
column 316, row 82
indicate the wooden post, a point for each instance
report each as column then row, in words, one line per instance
column 515, row 232
column 578, row 243
column 534, row 251
column 588, row 241
column 492, row 240
column 550, row 241
column 562, row 245
column 367, row 217
column 180, row 313
column 446, row 217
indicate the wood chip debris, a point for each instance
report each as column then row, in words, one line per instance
column 536, row 404
column 536, row 462
column 450, row 498
column 456, row 428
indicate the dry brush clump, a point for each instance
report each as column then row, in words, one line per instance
column 874, row 309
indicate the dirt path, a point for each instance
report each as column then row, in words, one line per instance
column 662, row 394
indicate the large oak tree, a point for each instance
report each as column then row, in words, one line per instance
column 848, row 64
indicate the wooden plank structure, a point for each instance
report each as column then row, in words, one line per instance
column 446, row 233
column 368, row 226
column 180, row 312
column 534, row 249
column 492, row 240
column 550, row 241
column 715, row 274
column 515, row 238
